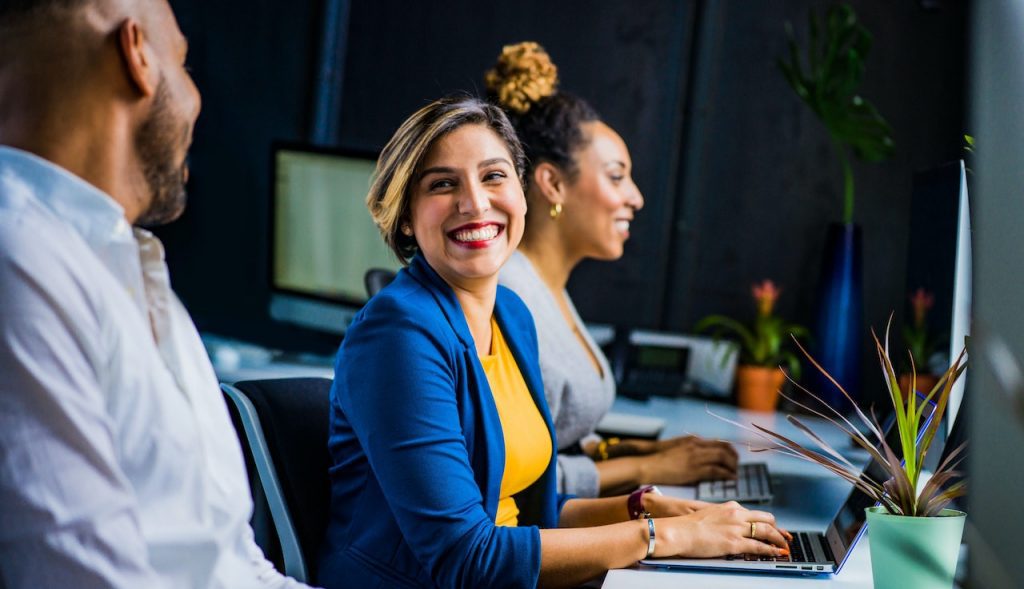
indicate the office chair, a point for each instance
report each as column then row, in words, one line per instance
column 376, row 279
column 284, row 430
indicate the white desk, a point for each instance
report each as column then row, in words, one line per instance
column 806, row 495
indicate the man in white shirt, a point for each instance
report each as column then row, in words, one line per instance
column 119, row 466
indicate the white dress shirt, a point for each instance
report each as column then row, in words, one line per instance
column 119, row 465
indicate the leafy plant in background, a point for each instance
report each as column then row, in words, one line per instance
column 969, row 148
column 835, row 55
column 761, row 344
column 897, row 494
column 920, row 341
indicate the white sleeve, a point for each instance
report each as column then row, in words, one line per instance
column 263, row 570
column 68, row 516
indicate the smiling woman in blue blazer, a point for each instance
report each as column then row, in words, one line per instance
column 442, row 446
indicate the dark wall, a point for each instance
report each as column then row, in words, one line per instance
column 629, row 59
column 739, row 178
column 761, row 180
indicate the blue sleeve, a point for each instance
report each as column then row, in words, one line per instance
column 398, row 388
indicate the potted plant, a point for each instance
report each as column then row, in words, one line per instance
column 915, row 538
column 836, row 51
column 921, row 342
column 759, row 378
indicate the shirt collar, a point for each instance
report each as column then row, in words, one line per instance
column 92, row 212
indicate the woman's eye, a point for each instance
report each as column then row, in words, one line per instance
column 495, row 175
column 617, row 179
column 441, row 184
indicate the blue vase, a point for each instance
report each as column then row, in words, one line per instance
column 840, row 328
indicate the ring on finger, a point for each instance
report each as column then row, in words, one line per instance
column 753, row 530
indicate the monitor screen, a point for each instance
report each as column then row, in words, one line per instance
column 323, row 239
column 939, row 272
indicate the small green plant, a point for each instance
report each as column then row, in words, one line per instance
column 761, row 344
column 898, row 494
column 920, row 339
column 836, row 51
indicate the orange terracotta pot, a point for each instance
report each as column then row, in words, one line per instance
column 757, row 387
column 925, row 382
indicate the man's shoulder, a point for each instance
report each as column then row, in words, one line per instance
column 26, row 225
column 40, row 254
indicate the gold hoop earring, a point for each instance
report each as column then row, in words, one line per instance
column 556, row 210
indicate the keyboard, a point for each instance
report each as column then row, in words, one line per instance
column 752, row 485
column 801, row 550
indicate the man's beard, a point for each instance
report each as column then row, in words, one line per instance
column 157, row 142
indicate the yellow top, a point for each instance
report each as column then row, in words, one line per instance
column 527, row 439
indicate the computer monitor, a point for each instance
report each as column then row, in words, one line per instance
column 322, row 237
column 939, row 263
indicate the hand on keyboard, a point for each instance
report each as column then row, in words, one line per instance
column 689, row 460
column 723, row 529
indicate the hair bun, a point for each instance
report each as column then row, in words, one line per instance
column 523, row 76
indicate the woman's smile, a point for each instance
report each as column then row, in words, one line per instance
column 476, row 235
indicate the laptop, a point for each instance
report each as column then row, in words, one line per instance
column 954, row 439
column 811, row 553
column 753, row 483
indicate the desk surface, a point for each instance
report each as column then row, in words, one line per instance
column 806, row 495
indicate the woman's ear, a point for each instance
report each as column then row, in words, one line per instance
column 550, row 182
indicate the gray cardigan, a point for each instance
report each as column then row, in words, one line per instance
column 577, row 395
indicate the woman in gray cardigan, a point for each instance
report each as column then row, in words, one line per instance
column 581, row 202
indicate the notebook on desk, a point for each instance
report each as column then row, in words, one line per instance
column 624, row 425
column 811, row 553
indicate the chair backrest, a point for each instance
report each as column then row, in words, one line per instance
column 376, row 279
column 286, row 428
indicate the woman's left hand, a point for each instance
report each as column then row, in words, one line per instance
column 665, row 506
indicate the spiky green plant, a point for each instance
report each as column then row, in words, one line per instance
column 838, row 46
column 897, row 494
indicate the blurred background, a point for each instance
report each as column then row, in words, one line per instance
column 739, row 176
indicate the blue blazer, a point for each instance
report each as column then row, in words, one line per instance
column 417, row 447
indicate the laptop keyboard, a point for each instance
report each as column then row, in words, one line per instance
column 799, row 551
column 751, row 484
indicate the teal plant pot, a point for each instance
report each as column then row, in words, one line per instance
column 918, row 552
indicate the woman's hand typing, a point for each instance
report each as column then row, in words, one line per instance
column 718, row 530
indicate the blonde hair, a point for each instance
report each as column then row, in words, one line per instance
column 388, row 199
column 523, row 76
